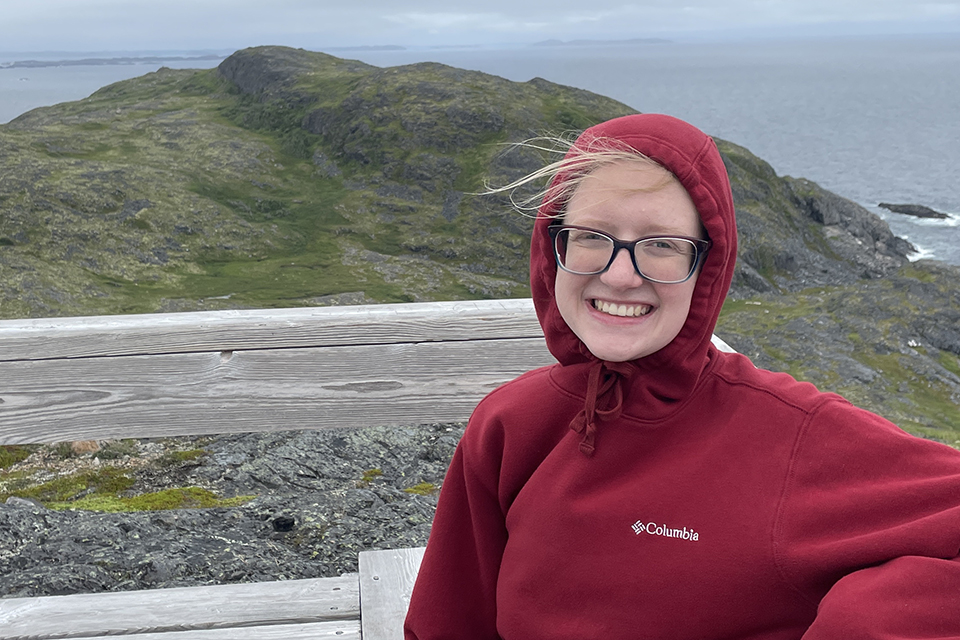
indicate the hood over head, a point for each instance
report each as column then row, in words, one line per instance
column 692, row 156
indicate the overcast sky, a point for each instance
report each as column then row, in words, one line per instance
column 116, row 25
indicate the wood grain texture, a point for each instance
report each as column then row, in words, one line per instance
column 336, row 630
column 386, row 582
column 264, row 390
column 182, row 609
column 94, row 336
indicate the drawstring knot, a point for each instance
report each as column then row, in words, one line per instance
column 604, row 400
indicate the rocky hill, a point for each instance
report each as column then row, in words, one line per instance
column 282, row 178
column 291, row 178
column 286, row 177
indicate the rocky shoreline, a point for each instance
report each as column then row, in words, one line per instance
column 317, row 499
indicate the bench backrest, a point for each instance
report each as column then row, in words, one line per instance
column 158, row 375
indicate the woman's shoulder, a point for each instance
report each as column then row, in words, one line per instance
column 824, row 417
column 738, row 372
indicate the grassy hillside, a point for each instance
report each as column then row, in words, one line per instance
column 182, row 190
column 291, row 178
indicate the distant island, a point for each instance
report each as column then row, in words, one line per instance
column 589, row 43
column 89, row 62
column 375, row 47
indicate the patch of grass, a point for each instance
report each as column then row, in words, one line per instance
column 910, row 270
column 474, row 162
column 422, row 489
column 64, row 450
column 950, row 362
column 925, row 408
column 63, row 490
column 186, row 498
column 12, row 454
column 101, row 491
column 203, row 83
column 368, row 476
column 760, row 316
column 566, row 114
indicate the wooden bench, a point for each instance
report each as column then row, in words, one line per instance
column 284, row 610
column 188, row 374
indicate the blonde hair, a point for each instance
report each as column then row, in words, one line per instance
column 579, row 161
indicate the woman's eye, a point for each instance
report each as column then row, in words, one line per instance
column 668, row 246
column 587, row 237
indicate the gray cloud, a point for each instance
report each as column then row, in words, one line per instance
column 171, row 24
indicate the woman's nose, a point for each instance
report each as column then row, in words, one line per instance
column 621, row 273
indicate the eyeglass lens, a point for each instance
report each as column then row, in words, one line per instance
column 664, row 259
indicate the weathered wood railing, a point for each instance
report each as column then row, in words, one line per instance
column 230, row 371
column 254, row 370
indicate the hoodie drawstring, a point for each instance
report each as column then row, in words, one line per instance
column 602, row 378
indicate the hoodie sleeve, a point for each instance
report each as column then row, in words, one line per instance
column 907, row 597
column 870, row 528
column 455, row 593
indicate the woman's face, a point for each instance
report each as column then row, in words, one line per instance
column 619, row 315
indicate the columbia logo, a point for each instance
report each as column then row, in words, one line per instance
column 654, row 529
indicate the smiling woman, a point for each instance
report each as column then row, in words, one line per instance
column 773, row 510
column 618, row 313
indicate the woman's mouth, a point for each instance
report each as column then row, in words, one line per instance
column 621, row 310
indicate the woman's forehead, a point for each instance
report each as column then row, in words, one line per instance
column 633, row 202
column 629, row 175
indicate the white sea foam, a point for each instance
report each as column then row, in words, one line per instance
column 920, row 254
column 952, row 220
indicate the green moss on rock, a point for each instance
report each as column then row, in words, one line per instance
column 180, row 498
column 422, row 489
column 63, row 490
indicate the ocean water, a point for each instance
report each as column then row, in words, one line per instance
column 26, row 88
column 872, row 119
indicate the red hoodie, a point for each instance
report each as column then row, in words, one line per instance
column 709, row 499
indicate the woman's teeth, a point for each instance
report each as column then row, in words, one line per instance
column 623, row 310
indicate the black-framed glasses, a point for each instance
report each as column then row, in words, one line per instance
column 662, row 259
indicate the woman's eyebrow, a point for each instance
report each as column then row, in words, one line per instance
column 648, row 231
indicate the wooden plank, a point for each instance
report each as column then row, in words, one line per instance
column 234, row 330
column 386, row 583
column 206, row 393
column 37, row 339
column 335, row 630
column 181, row 609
